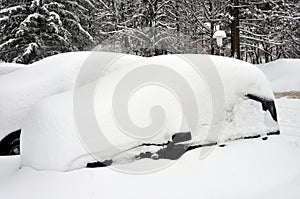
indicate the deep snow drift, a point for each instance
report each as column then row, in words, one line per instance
column 283, row 74
column 58, row 146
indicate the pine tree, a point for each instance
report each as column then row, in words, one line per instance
column 12, row 13
column 75, row 17
column 34, row 29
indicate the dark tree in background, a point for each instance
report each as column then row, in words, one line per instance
column 269, row 29
column 31, row 30
column 257, row 31
column 235, row 29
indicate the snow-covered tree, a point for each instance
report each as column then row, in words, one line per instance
column 201, row 18
column 75, row 16
column 11, row 15
column 144, row 27
column 34, row 29
column 269, row 29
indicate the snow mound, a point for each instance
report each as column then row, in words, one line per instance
column 6, row 68
column 283, row 74
column 289, row 117
column 23, row 88
column 50, row 140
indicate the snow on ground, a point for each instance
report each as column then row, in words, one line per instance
column 6, row 68
column 289, row 119
column 283, row 74
column 244, row 169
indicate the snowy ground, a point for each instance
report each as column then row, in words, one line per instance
column 289, row 119
column 244, row 169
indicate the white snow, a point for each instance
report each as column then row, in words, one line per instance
column 62, row 145
column 289, row 118
column 23, row 88
column 7, row 42
column 31, row 17
column 9, row 165
column 84, row 32
column 283, row 74
column 5, row 18
column 30, row 48
column 11, row 9
column 55, row 17
column 6, row 68
column 244, row 169
column 36, row 2
column 57, row 145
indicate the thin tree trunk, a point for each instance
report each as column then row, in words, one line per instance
column 211, row 30
column 235, row 30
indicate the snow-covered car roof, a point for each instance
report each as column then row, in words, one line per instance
column 23, row 88
column 6, row 68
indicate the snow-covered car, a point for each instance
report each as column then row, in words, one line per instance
column 10, row 145
column 6, row 68
column 249, row 112
column 21, row 89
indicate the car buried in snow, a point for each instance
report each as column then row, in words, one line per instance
column 246, row 97
column 9, row 145
column 21, row 87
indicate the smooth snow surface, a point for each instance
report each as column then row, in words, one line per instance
column 6, row 68
column 9, row 165
column 57, row 145
column 284, row 74
column 244, row 169
column 289, row 118
column 23, row 88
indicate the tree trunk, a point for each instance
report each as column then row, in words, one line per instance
column 212, row 25
column 235, row 30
